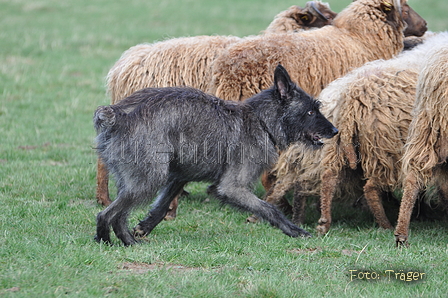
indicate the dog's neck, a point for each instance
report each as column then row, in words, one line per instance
column 266, row 129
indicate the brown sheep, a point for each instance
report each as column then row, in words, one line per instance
column 426, row 149
column 366, row 30
column 293, row 163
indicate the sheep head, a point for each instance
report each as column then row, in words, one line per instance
column 416, row 25
column 314, row 14
column 371, row 17
column 392, row 10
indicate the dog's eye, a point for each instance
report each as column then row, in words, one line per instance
column 311, row 113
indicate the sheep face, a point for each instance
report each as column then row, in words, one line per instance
column 416, row 25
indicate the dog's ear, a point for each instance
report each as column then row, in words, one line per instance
column 282, row 82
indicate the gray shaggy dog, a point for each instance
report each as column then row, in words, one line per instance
column 159, row 139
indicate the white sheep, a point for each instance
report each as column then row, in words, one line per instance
column 426, row 149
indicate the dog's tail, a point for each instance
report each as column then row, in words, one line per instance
column 104, row 118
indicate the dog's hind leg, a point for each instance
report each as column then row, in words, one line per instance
column 242, row 198
column 159, row 208
column 116, row 214
column 276, row 197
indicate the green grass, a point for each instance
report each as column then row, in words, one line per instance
column 54, row 56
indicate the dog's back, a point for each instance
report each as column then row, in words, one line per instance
column 178, row 128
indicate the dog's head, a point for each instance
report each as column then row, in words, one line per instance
column 301, row 119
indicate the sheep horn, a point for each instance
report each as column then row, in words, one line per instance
column 317, row 11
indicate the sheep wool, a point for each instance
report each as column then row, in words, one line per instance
column 373, row 118
column 426, row 149
column 365, row 31
column 181, row 61
column 371, row 106
column 296, row 18
column 427, row 143
column 187, row 61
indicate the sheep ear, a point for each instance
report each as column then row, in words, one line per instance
column 282, row 82
column 386, row 7
column 305, row 18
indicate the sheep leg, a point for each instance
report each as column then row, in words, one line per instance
column 102, row 182
column 172, row 209
column 373, row 199
column 443, row 185
column 330, row 179
column 410, row 194
column 277, row 193
column 298, row 215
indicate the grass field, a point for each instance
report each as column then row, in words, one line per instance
column 54, row 56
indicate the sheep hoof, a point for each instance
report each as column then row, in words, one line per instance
column 252, row 219
column 102, row 200
column 323, row 229
column 171, row 215
column 401, row 241
column 386, row 225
